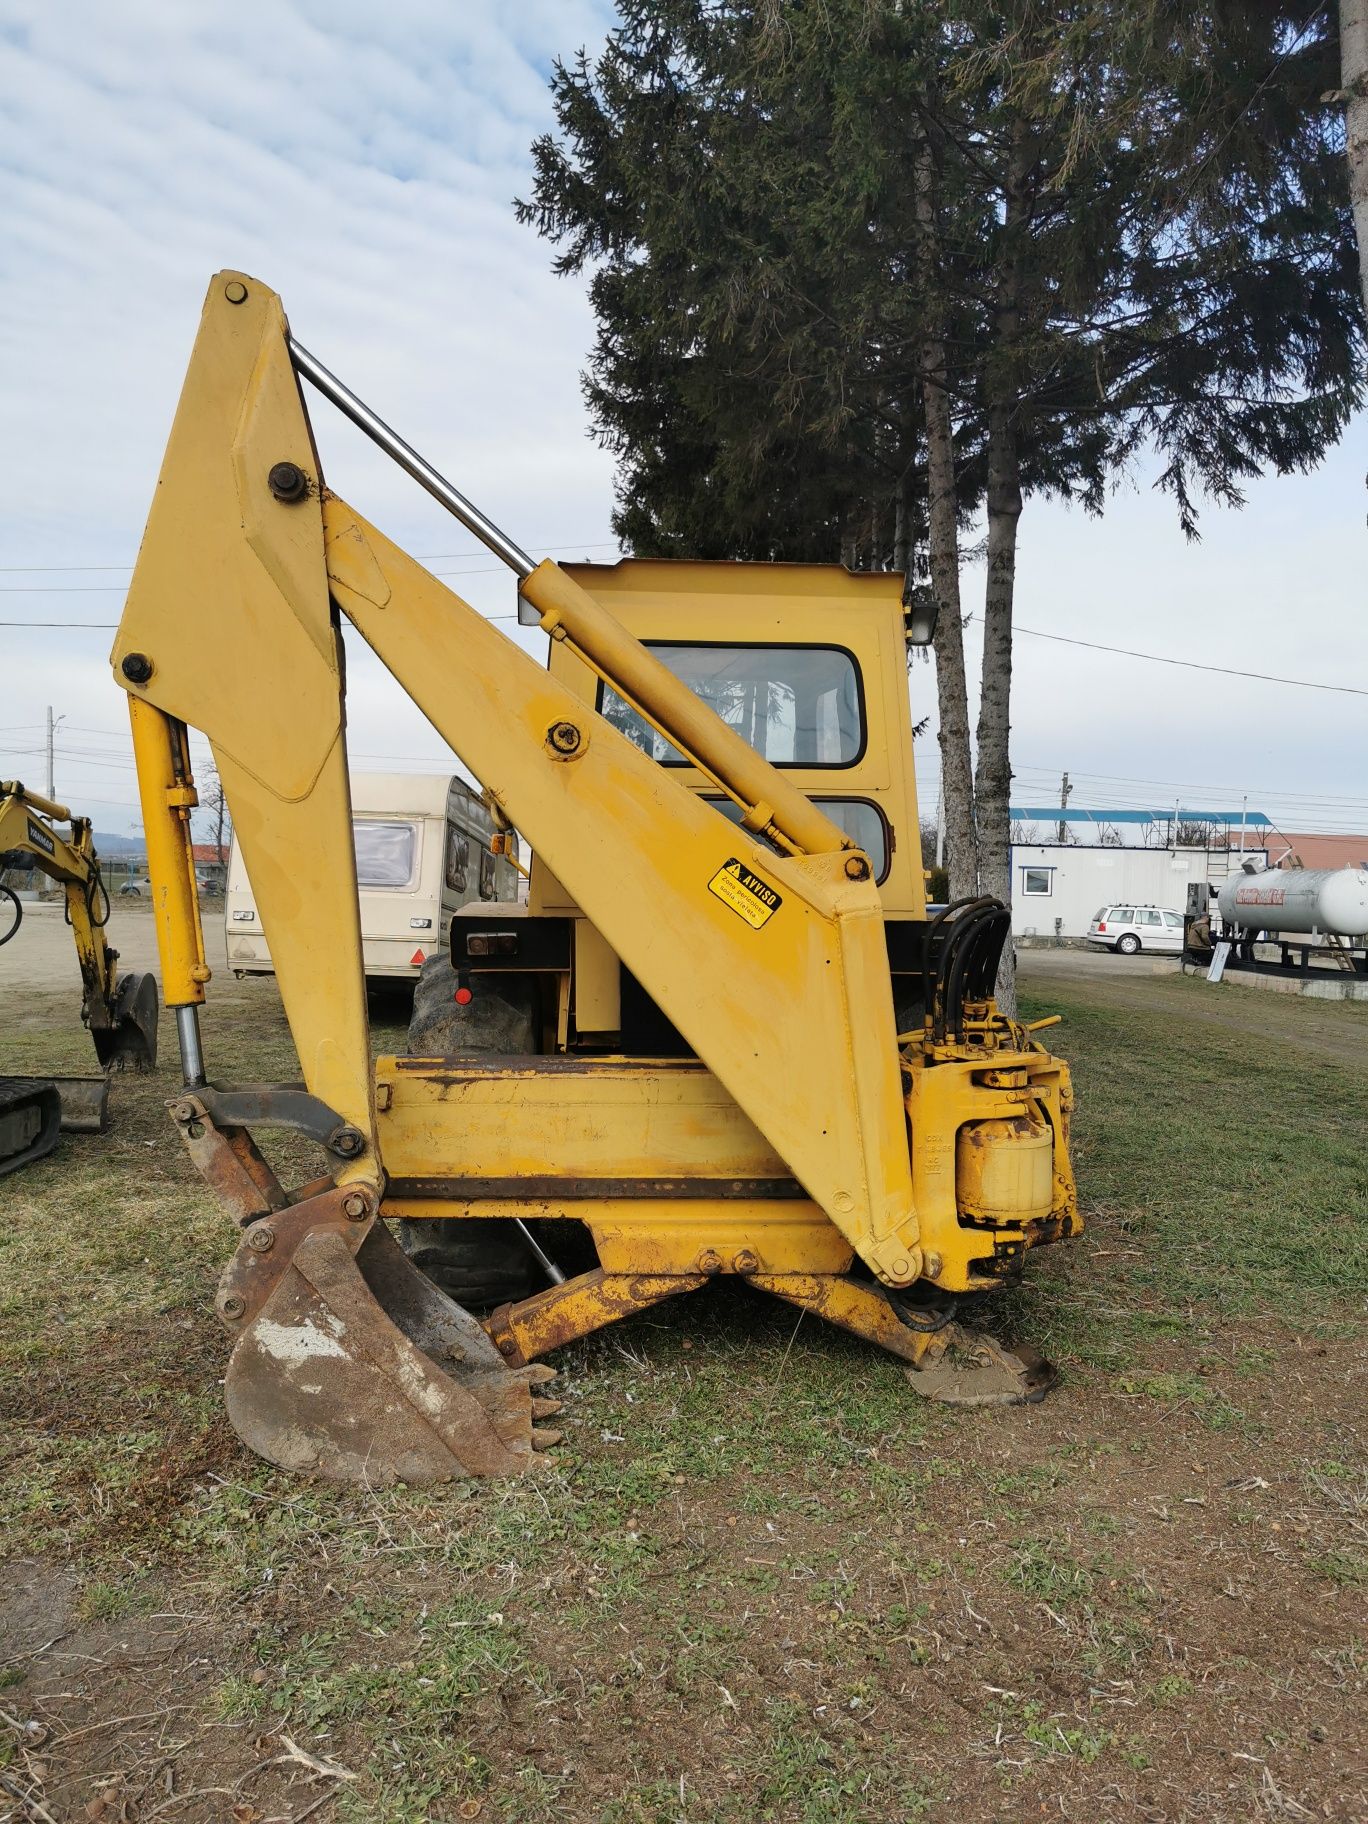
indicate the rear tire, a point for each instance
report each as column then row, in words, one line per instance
column 1129, row 945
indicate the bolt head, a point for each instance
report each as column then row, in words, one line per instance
column 747, row 1261
column 137, row 668
column 288, row 482
column 857, row 868
column 261, row 1241
column 235, row 291
column 710, row 1261
column 354, row 1206
column 233, row 1306
column 182, row 1111
column 564, row 737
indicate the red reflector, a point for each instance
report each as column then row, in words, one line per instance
column 417, row 959
column 463, row 997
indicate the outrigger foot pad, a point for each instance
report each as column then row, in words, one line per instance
column 964, row 1367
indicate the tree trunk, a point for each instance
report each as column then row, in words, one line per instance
column 993, row 781
column 952, row 696
column 1353, row 15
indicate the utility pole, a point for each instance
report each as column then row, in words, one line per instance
column 1065, row 793
column 51, row 783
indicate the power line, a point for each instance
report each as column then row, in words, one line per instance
column 430, row 557
column 1160, row 658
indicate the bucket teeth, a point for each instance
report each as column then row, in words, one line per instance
column 547, row 1409
column 356, row 1368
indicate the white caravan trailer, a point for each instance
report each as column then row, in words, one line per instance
column 422, row 852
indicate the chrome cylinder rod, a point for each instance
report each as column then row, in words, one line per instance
column 409, row 460
column 191, row 1050
column 543, row 1259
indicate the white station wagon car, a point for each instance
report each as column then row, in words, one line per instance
column 1130, row 929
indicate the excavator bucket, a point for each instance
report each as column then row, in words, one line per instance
column 85, row 1104
column 356, row 1368
column 129, row 1041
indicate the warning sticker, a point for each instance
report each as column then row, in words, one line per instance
column 748, row 896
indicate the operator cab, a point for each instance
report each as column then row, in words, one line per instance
column 807, row 662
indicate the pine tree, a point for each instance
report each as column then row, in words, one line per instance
column 863, row 267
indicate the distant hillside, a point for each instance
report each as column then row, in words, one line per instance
column 119, row 845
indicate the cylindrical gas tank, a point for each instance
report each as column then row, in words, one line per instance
column 1331, row 900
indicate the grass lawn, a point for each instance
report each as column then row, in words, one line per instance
column 760, row 1579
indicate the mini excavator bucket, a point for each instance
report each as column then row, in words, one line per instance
column 352, row 1366
column 128, row 1039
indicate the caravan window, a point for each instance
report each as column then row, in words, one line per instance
column 384, row 853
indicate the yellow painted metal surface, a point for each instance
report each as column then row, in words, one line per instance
column 26, row 825
column 166, row 792
column 946, row 1100
column 597, row 982
column 783, row 1151
column 780, row 604
column 229, row 606
column 637, row 849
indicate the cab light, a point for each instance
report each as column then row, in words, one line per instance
column 420, row 924
column 244, row 918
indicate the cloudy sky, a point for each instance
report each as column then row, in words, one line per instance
column 362, row 160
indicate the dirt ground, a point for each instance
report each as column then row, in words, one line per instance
column 760, row 1579
column 41, row 954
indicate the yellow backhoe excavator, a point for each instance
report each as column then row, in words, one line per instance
column 723, row 1036
column 121, row 1011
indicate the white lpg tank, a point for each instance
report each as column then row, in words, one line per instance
column 1329, row 900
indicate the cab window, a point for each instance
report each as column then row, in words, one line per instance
column 859, row 819
column 384, row 853
column 795, row 705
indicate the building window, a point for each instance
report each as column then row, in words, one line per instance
column 1037, row 883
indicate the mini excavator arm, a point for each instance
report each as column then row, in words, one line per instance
column 121, row 1011
column 231, row 626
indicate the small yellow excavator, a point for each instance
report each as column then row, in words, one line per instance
column 722, row 1036
column 121, row 1011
